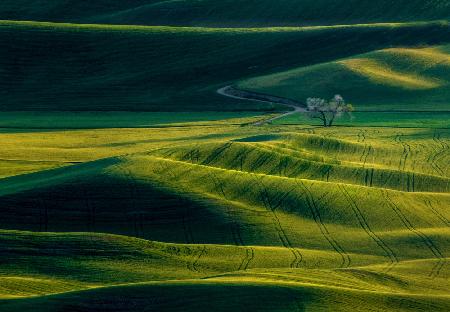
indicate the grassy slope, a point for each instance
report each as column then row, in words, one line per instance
column 281, row 159
column 391, row 79
column 96, row 67
column 95, row 262
column 226, row 12
column 36, row 149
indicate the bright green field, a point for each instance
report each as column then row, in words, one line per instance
column 225, row 216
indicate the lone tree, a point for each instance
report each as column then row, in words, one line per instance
column 327, row 111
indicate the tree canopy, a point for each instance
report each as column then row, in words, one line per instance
column 327, row 111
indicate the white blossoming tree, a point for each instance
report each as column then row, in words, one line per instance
column 327, row 111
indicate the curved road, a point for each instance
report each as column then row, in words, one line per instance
column 231, row 92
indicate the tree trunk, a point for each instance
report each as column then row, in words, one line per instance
column 324, row 119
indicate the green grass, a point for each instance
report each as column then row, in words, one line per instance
column 139, row 68
column 218, row 210
column 377, row 119
column 392, row 79
column 92, row 120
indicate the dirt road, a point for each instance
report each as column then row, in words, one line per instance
column 234, row 93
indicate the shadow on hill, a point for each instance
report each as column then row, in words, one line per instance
column 97, row 202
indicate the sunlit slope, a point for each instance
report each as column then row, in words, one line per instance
column 95, row 67
column 299, row 159
column 391, row 79
column 26, row 151
column 226, row 13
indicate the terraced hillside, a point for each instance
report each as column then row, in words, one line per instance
column 308, row 218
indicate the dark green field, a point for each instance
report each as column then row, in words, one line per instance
column 95, row 67
column 131, row 181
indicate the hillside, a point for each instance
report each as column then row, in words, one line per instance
column 411, row 79
column 285, row 210
column 226, row 13
column 99, row 67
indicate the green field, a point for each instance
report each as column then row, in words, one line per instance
column 142, row 68
column 130, row 182
column 91, row 120
column 415, row 79
column 224, row 210
column 378, row 119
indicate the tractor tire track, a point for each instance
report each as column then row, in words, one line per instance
column 235, row 227
column 311, row 203
column 265, row 198
column 432, row 158
column 249, row 256
column 440, row 152
column 366, row 153
column 193, row 156
column 216, row 153
column 425, row 239
column 240, row 158
column 365, row 226
column 197, row 259
column 439, row 215
column 218, row 185
column 361, row 136
column 406, row 151
column 192, row 265
column 368, row 177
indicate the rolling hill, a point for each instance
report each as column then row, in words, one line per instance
column 139, row 68
column 411, row 79
column 296, row 212
column 130, row 182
